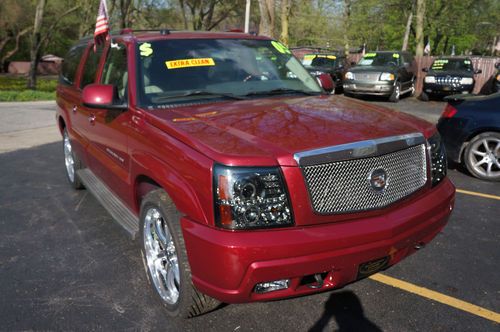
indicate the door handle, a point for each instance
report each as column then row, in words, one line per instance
column 92, row 119
column 74, row 109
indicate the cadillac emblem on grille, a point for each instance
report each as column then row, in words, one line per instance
column 378, row 179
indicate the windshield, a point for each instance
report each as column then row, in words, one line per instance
column 452, row 64
column 319, row 60
column 183, row 70
column 380, row 59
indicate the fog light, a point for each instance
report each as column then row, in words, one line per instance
column 271, row 286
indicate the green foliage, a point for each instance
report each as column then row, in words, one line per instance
column 14, row 89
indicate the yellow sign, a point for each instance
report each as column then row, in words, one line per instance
column 200, row 62
column 395, row 56
column 280, row 47
column 309, row 56
column 146, row 49
column 370, row 55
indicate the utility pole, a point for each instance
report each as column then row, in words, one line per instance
column 247, row 16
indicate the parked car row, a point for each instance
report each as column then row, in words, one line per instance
column 392, row 74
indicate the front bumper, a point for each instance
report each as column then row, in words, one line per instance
column 227, row 265
column 379, row 88
column 441, row 89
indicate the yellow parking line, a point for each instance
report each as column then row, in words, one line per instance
column 438, row 297
column 473, row 193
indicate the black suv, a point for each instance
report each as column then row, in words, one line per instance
column 329, row 63
column 449, row 75
column 388, row 73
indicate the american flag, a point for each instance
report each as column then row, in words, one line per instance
column 101, row 26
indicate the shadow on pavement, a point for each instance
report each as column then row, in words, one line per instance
column 345, row 307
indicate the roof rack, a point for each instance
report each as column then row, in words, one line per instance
column 162, row 31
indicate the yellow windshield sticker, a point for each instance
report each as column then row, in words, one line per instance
column 309, row 56
column 395, row 56
column 280, row 47
column 333, row 57
column 146, row 49
column 370, row 55
column 184, row 63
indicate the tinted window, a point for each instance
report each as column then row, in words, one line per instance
column 90, row 66
column 115, row 69
column 171, row 71
column 70, row 64
column 380, row 59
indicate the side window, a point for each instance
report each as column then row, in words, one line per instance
column 70, row 64
column 91, row 65
column 115, row 70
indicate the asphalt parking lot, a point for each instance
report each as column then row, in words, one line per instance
column 65, row 265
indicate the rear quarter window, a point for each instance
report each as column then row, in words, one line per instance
column 70, row 64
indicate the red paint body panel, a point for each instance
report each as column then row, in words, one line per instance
column 227, row 265
column 136, row 150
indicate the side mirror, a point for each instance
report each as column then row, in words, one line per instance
column 326, row 82
column 478, row 71
column 425, row 70
column 101, row 96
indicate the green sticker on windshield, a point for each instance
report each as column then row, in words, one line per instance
column 395, row 56
column 280, row 47
column 146, row 49
column 370, row 55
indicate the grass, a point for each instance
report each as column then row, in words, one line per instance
column 13, row 88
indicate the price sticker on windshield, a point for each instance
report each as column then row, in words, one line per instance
column 184, row 63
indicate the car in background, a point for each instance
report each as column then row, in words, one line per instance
column 448, row 76
column 389, row 73
column 332, row 64
column 470, row 129
column 496, row 79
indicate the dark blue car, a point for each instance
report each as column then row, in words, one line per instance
column 470, row 128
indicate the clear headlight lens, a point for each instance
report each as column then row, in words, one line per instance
column 430, row 79
column 349, row 76
column 248, row 198
column 466, row 80
column 438, row 158
column 386, row 77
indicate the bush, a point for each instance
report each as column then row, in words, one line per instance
column 13, row 88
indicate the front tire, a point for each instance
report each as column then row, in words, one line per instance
column 396, row 94
column 482, row 156
column 71, row 162
column 165, row 258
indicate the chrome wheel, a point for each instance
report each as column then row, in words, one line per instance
column 161, row 256
column 397, row 91
column 69, row 161
column 484, row 157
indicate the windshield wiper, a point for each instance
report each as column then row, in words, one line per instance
column 281, row 91
column 200, row 93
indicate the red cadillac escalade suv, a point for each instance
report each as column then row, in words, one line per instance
column 242, row 179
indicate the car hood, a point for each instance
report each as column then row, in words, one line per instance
column 268, row 131
column 459, row 73
column 372, row 69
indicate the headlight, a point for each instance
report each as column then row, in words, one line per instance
column 466, row 80
column 438, row 158
column 349, row 76
column 386, row 77
column 430, row 79
column 247, row 198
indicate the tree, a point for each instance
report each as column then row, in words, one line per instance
column 420, row 27
column 35, row 44
column 408, row 28
column 266, row 25
column 286, row 7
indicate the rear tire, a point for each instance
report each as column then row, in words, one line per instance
column 71, row 162
column 482, row 156
column 165, row 258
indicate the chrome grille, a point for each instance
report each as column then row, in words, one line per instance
column 448, row 80
column 344, row 186
column 366, row 76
